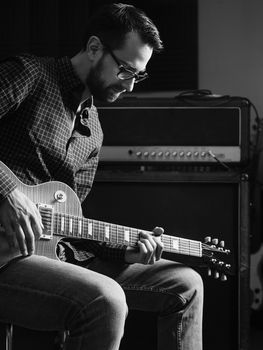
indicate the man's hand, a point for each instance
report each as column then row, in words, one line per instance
column 21, row 221
column 149, row 249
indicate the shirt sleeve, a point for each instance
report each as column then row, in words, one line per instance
column 107, row 250
column 80, row 251
column 18, row 78
column 6, row 185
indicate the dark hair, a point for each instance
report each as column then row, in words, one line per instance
column 113, row 21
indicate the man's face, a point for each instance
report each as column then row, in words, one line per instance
column 103, row 80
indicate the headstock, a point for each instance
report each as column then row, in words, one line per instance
column 214, row 254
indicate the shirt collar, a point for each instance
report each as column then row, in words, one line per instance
column 71, row 84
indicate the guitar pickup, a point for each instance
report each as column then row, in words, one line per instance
column 46, row 212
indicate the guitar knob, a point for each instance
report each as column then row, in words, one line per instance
column 60, row 196
column 209, row 272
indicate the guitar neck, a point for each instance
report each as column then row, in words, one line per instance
column 79, row 227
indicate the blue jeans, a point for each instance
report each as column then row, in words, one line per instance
column 45, row 294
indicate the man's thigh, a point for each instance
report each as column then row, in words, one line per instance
column 41, row 293
column 152, row 287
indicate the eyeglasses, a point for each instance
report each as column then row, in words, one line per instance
column 125, row 73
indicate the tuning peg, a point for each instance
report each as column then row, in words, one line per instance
column 207, row 239
column 223, row 277
column 227, row 266
column 222, row 244
column 215, row 241
column 216, row 274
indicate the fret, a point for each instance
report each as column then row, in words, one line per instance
column 90, row 229
column 123, row 231
column 96, row 229
column 107, row 232
column 79, row 227
column 175, row 243
column 100, row 227
column 114, row 233
column 196, row 248
column 118, row 233
column 62, row 224
column 75, row 227
column 102, row 231
column 134, row 236
column 70, row 221
column 126, row 235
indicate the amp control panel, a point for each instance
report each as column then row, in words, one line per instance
column 227, row 154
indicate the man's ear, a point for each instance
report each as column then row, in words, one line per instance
column 94, row 46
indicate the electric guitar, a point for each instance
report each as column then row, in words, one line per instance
column 62, row 217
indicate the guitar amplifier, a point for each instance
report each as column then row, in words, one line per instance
column 176, row 130
column 192, row 205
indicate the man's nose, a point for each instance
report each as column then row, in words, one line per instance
column 128, row 84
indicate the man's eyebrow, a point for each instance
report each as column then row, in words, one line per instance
column 126, row 65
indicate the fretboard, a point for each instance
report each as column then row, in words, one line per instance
column 79, row 227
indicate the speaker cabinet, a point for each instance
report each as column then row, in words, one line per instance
column 190, row 205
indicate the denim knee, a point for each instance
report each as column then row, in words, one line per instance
column 107, row 310
column 114, row 301
column 193, row 281
column 183, row 287
column 193, row 289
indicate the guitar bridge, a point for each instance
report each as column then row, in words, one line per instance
column 46, row 212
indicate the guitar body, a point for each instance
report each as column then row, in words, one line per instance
column 53, row 194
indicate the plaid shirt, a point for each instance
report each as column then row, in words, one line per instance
column 40, row 142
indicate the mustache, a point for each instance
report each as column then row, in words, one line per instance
column 117, row 88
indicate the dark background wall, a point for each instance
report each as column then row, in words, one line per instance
column 55, row 27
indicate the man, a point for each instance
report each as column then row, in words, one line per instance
column 49, row 130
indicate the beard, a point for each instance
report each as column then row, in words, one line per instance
column 97, row 86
